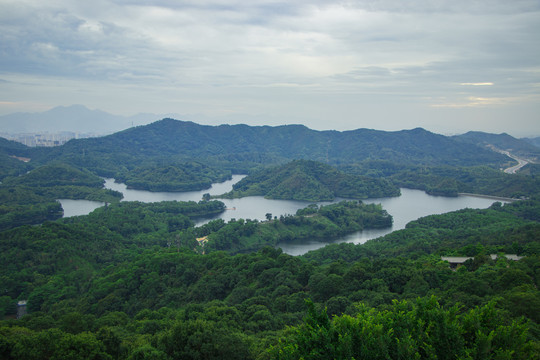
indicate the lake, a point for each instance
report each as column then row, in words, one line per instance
column 411, row 205
column 79, row 207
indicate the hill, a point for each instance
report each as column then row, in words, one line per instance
column 310, row 181
column 56, row 175
column 9, row 164
column 125, row 283
column 502, row 141
column 30, row 198
column 168, row 138
column 186, row 176
column 533, row 141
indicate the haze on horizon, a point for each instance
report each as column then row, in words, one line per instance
column 446, row 66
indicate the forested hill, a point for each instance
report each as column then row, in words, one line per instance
column 310, row 181
column 170, row 137
column 501, row 141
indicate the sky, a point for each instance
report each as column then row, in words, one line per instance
column 446, row 66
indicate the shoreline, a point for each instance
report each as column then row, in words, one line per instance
column 501, row 198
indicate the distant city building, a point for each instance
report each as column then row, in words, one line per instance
column 46, row 139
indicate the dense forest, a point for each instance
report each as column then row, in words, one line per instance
column 502, row 142
column 452, row 180
column 186, row 176
column 242, row 147
column 310, row 181
column 136, row 280
column 137, row 289
column 31, row 197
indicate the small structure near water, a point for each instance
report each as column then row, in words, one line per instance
column 21, row 309
column 456, row 261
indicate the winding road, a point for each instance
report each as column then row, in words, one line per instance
column 515, row 168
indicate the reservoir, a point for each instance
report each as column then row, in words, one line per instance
column 79, row 207
column 411, row 205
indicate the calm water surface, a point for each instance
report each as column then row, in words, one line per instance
column 411, row 205
column 79, row 207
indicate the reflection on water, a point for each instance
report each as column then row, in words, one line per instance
column 411, row 205
column 79, row 207
column 149, row 196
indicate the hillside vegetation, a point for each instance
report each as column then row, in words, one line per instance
column 136, row 280
column 310, row 181
column 125, row 282
column 178, row 140
column 30, row 198
column 501, row 142
column 185, row 176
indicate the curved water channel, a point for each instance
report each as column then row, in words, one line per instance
column 411, row 205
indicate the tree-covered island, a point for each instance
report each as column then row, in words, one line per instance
column 310, row 181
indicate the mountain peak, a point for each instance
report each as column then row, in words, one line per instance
column 75, row 118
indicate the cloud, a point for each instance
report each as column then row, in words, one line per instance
column 477, row 84
column 197, row 55
column 474, row 102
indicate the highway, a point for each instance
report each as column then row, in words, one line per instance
column 513, row 169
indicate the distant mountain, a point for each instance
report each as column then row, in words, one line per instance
column 310, row 181
column 172, row 139
column 503, row 141
column 74, row 118
column 533, row 141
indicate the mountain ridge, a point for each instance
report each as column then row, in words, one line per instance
column 502, row 141
column 174, row 140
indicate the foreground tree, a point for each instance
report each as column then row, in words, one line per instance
column 407, row 330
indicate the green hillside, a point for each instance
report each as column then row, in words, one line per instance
column 31, row 197
column 180, row 140
column 56, row 174
column 503, row 141
column 310, row 181
column 136, row 280
column 125, row 283
column 185, row 176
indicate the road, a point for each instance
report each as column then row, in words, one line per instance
column 513, row 169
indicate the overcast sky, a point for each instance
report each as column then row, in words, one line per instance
column 448, row 66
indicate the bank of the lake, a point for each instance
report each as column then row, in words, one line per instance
column 411, row 205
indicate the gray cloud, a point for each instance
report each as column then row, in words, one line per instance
column 299, row 61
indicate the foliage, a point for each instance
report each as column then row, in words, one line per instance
column 13, row 214
column 506, row 229
column 310, row 181
column 500, row 141
column 56, row 174
column 452, row 180
column 31, row 198
column 189, row 176
column 324, row 223
column 407, row 330
column 130, row 280
column 171, row 139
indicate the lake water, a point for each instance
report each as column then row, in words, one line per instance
column 411, row 205
column 79, row 207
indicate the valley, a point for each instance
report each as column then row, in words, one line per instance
column 240, row 245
